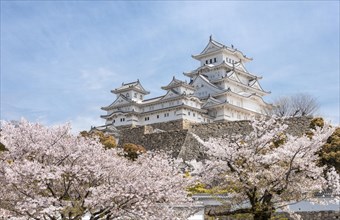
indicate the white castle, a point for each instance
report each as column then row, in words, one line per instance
column 221, row 89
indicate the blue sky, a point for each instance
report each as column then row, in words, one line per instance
column 60, row 59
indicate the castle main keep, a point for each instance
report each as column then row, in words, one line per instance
column 220, row 89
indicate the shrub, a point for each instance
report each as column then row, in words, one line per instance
column 107, row 140
column 133, row 150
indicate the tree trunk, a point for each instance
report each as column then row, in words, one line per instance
column 264, row 215
column 265, row 212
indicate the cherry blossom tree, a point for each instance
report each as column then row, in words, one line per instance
column 48, row 173
column 266, row 170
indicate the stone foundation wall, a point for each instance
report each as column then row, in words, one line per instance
column 170, row 141
column 164, row 126
column 296, row 126
column 177, row 137
column 172, row 125
column 320, row 215
column 317, row 215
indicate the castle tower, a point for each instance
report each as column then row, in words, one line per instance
column 222, row 76
column 220, row 89
column 133, row 91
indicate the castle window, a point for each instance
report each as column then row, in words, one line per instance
column 157, row 116
column 146, row 118
column 114, row 121
column 215, row 60
column 206, row 62
column 166, row 114
column 135, row 95
column 141, row 97
column 210, row 60
column 194, row 114
column 188, row 113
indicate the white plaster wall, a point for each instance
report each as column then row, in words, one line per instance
column 226, row 57
column 243, row 79
column 118, row 121
column 253, row 105
column 202, row 91
column 197, row 216
column 192, row 115
column 218, row 60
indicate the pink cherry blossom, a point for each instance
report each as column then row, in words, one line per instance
column 261, row 175
column 48, row 173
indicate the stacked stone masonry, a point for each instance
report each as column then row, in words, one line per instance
column 317, row 215
column 176, row 136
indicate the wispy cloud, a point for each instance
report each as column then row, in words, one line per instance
column 84, row 123
column 61, row 59
column 98, row 78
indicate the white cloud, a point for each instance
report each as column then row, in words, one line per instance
column 65, row 58
column 97, row 79
column 84, row 122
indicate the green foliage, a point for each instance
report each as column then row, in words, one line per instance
column 317, row 122
column 330, row 152
column 279, row 140
column 133, row 150
column 107, row 140
column 234, row 217
column 198, row 188
column 2, row 147
column 202, row 188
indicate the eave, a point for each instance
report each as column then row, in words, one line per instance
column 229, row 92
column 117, row 91
column 261, row 92
column 225, row 49
column 178, row 85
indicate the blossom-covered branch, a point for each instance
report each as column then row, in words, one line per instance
column 267, row 168
column 47, row 173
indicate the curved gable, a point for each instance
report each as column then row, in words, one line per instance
column 255, row 84
column 121, row 100
column 233, row 76
column 170, row 94
column 211, row 102
column 204, row 87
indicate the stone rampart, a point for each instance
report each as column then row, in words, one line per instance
column 296, row 126
column 176, row 136
column 170, row 141
column 316, row 215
